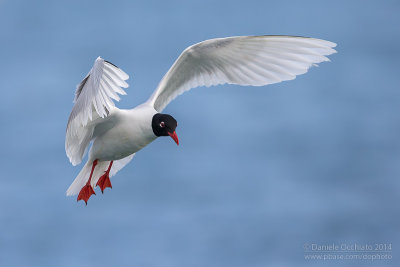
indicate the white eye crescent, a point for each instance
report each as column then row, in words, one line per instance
column 162, row 124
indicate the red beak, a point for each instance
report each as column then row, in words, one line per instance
column 175, row 137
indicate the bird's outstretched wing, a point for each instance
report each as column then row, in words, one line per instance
column 93, row 100
column 243, row 60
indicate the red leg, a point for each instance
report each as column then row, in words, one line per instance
column 104, row 180
column 87, row 190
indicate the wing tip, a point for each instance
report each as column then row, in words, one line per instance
column 111, row 63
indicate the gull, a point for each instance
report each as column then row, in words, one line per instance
column 117, row 134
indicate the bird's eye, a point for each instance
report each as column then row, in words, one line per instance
column 162, row 124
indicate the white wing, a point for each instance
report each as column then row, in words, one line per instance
column 93, row 100
column 243, row 60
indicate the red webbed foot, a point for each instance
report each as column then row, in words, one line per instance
column 104, row 182
column 85, row 193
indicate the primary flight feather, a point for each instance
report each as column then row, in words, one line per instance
column 118, row 134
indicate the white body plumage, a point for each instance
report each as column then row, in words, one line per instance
column 122, row 133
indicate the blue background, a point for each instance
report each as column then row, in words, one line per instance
column 260, row 171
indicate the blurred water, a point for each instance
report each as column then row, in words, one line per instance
column 259, row 172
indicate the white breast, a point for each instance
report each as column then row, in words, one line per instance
column 130, row 131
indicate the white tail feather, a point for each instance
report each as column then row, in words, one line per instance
column 99, row 170
column 80, row 180
column 119, row 164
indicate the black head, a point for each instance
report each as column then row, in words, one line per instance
column 165, row 125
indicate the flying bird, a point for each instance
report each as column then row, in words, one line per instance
column 117, row 134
